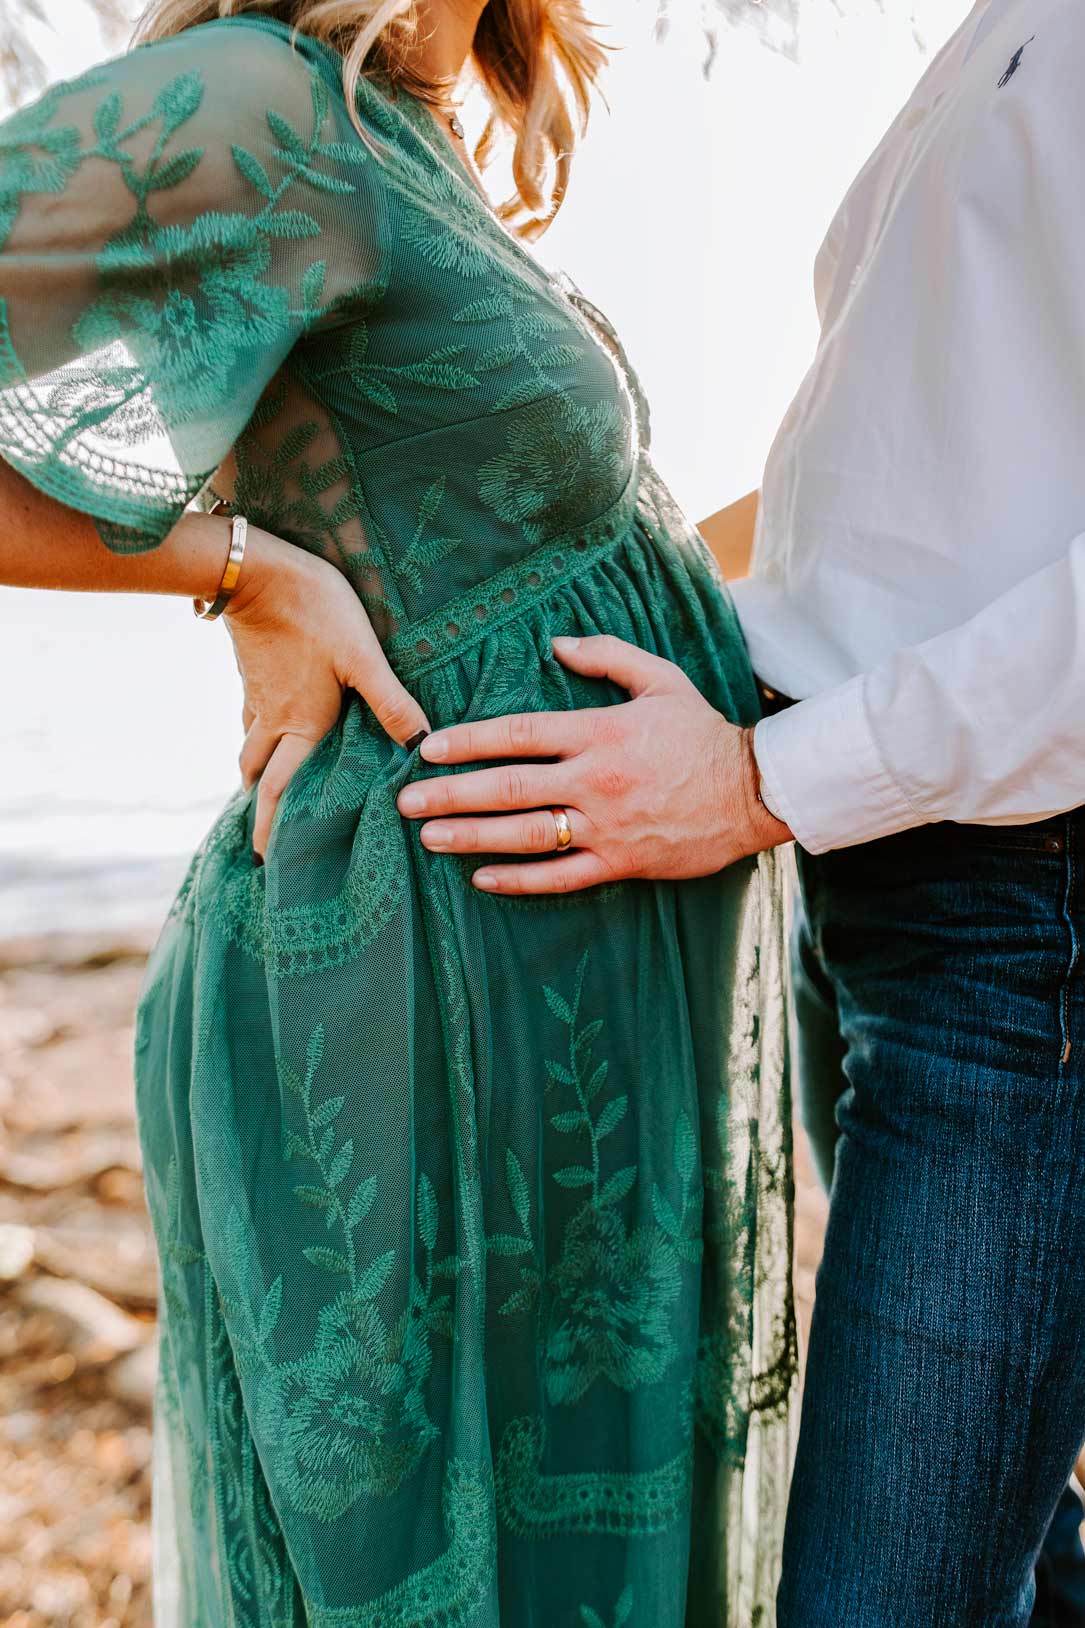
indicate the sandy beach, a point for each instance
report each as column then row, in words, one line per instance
column 77, row 1291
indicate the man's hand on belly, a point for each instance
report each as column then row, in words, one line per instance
column 660, row 787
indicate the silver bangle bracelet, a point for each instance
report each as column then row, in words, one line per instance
column 239, row 536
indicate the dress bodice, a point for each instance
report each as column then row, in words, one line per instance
column 482, row 410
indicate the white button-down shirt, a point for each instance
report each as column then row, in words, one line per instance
column 919, row 565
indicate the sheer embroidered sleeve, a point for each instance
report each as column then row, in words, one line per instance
column 170, row 225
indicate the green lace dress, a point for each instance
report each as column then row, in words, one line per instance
column 473, row 1213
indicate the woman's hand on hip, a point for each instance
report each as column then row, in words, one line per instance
column 301, row 637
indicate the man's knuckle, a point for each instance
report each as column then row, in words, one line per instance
column 511, row 786
column 539, row 831
column 607, row 731
column 610, row 780
column 521, row 731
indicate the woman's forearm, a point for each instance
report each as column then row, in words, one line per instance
column 300, row 632
column 729, row 534
column 43, row 544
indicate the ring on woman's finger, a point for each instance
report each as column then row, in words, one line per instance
column 564, row 830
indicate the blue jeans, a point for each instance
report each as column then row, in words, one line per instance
column 940, row 995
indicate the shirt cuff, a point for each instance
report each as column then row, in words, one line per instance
column 824, row 774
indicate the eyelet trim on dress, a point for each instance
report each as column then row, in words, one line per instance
column 454, row 627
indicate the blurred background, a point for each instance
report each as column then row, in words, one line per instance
column 703, row 193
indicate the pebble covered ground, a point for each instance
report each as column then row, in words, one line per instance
column 78, row 1287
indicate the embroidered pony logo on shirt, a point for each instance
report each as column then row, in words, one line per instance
column 1014, row 63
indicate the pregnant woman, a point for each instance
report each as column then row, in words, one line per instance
column 472, row 1211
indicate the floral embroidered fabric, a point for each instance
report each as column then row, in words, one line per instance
column 473, row 1214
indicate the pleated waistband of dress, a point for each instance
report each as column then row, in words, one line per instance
column 454, row 627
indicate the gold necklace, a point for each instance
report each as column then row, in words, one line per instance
column 452, row 118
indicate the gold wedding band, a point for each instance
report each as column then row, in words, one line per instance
column 565, row 830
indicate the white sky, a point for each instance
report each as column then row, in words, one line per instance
column 694, row 216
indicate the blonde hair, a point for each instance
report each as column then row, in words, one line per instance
column 538, row 61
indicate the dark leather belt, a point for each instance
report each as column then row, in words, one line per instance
column 771, row 700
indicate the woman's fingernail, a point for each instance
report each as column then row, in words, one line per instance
column 410, row 801
column 486, row 880
column 415, row 741
column 565, row 642
column 437, row 836
column 436, row 748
